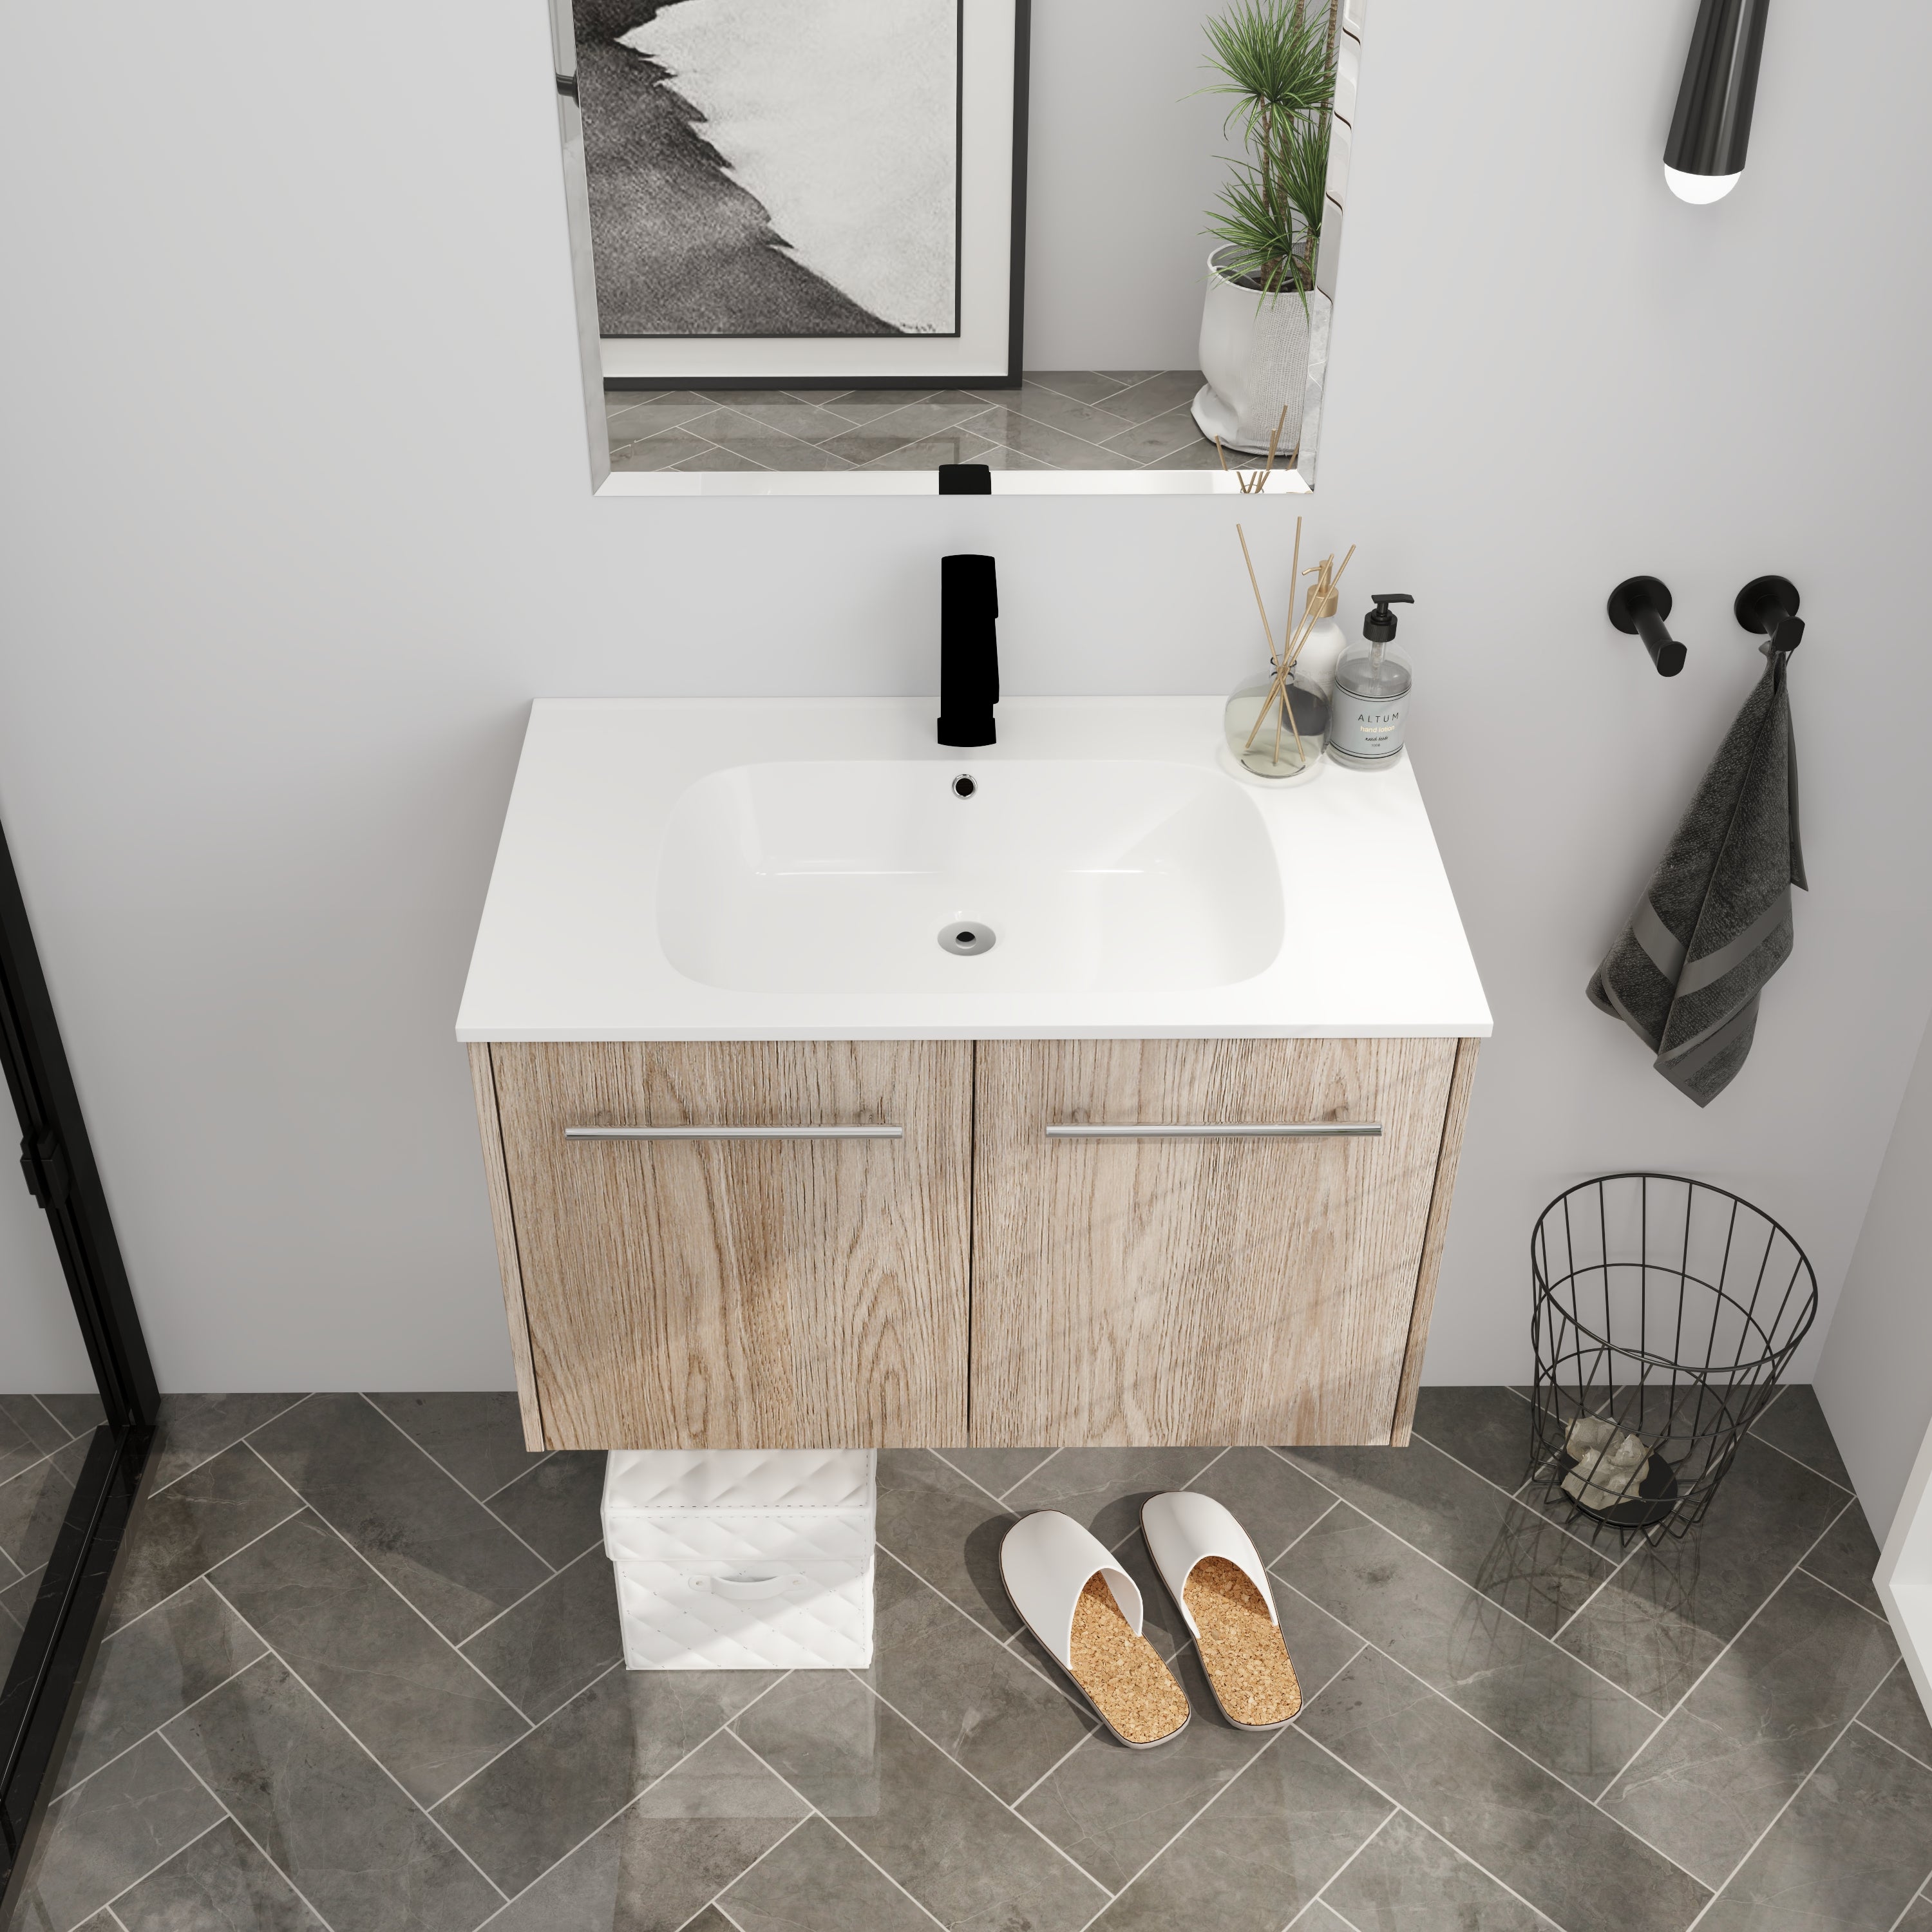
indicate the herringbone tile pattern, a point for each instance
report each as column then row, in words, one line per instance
column 1059, row 419
column 363, row 1675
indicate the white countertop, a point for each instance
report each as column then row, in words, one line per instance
column 569, row 946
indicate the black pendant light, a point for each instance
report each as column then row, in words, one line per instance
column 1705, row 156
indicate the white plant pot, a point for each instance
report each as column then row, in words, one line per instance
column 1254, row 353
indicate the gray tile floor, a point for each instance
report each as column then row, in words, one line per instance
column 364, row 1674
column 42, row 1443
column 1065, row 419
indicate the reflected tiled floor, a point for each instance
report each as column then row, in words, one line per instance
column 1063, row 419
column 364, row 1675
column 42, row 1443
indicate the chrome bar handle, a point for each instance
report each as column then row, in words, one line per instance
column 1268, row 1130
column 880, row 1133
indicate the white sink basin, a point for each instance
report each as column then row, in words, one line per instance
column 1089, row 875
column 783, row 868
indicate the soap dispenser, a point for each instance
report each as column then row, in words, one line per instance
column 1372, row 684
column 1325, row 641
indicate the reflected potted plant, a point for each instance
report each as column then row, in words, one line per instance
column 1277, row 58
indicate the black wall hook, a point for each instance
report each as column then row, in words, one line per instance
column 1768, row 606
column 1638, row 606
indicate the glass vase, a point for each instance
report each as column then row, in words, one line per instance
column 1276, row 734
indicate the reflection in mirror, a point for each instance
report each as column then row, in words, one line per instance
column 831, row 246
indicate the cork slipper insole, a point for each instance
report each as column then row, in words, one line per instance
column 1241, row 1649
column 1121, row 1673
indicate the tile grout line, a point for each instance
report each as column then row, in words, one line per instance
column 1013, row 1804
column 1751, row 1849
column 648, row 1785
column 162, row 1488
column 67, row 1790
column 463, row 1486
column 1860, row 1722
column 1321, row 1897
column 1641, row 1543
column 1876, row 1616
column 442, row 1636
column 228, row 1813
column 1335, row 1503
column 1000, row 1496
column 181, row 1589
column 1416, row 1819
column 833, row 1824
column 1361, row 1645
column 1777, row 1449
column 1038, row 1466
column 1369, row 1643
column 595, row 1549
column 1019, row 1657
column 1254, row 1758
column 71, row 1437
column 939, row 1458
column 1723, row 1651
column 1187, row 1825
column 1060, row 1849
column 335, row 1717
column 200, row 1574
column 1903, row 1910
column 1514, row 1495
column 549, row 1455
column 713, row 1903
column 494, row 1756
column 1635, row 1549
column 27, row 1468
column 213, row 1824
column 1581, row 1663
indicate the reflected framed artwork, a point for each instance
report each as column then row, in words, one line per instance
column 818, row 193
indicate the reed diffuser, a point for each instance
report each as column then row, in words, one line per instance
column 1277, row 723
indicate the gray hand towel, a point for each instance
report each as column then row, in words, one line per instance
column 1686, row 972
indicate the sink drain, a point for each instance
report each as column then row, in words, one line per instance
column 968, row 936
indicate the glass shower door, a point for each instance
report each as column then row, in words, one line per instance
column 78, row 1404
column 49, row 1408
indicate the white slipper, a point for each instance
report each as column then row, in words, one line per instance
column 1084, row 1608
column 1214, row 1572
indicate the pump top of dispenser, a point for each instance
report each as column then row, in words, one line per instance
column 1372, row 669
column 1379, row 626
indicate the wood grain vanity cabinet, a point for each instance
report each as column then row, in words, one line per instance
column 1132, row 1286
column 979, row 1279
column 809, row 1290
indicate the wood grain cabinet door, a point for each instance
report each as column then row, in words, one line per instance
column 1202, row 1290
column 794, row 1293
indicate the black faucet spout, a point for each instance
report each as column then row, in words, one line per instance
column 969, row 650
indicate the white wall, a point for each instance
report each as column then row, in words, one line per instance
column 1124, row 165
column 1875, row 1380
column 295, row 522
column 40, row 1347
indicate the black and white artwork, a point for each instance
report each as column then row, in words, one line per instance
column 773, row 169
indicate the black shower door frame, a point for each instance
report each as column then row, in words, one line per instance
column 42, row 1691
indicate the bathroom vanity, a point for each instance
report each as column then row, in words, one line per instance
column 838, row 1089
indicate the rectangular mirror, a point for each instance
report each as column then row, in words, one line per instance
column 829, row 247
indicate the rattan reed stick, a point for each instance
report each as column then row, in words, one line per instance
column 1267, row 629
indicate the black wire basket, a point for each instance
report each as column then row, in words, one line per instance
column 1665, row 1311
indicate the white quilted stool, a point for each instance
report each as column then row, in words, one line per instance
column 742, row 1559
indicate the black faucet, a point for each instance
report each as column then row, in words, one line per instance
column 969, row 650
